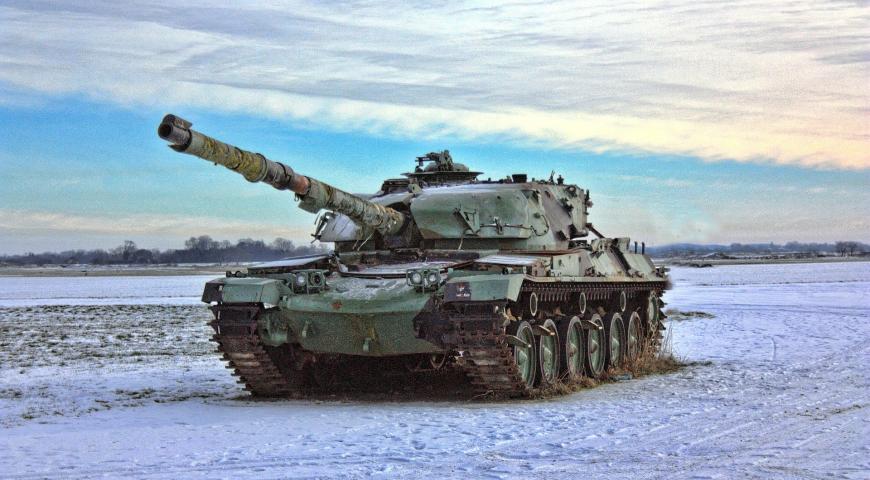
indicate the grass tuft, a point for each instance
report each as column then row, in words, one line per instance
column 675, row 315
column 656, row 358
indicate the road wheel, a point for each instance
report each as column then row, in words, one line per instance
column 526, row 356
column 633, row 338
column 595, row 348
column 615, row 332
column 548, row 354
column 574, row 349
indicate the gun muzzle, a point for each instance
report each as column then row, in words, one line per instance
column 176, row 131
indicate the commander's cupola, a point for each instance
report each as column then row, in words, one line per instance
column 438, row 168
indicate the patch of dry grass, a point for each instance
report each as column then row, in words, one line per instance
column 675, row 315
column 656, row 358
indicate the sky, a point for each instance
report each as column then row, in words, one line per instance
column 689, row 121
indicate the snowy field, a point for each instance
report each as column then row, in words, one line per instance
column 114, row 377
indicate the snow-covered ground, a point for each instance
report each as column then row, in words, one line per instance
column 110, row 290
column 96, row 387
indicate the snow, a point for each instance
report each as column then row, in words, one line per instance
column 778, row 389
column 109, row 290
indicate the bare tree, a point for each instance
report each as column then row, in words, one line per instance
column 202, row 243
column 283, row 245
column 125, row 250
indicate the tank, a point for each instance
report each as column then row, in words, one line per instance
column 504, row 280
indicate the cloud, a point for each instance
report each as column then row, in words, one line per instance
column 744, row 81
column 655, row 181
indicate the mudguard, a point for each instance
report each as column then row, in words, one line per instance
column 244, row 290
column 483, row 288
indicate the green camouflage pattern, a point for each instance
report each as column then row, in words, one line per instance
column 481, row 241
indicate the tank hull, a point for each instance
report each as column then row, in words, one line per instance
column 277, row 338
column 355, row 316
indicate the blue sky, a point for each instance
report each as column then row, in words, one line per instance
column 767, row 141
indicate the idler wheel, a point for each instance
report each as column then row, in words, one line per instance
column 325, row 373
column 425, row 362
column 412, row 362
column 573, row 348
column 633, row 338
column 437, row 361
column 548, row 353
column 595, row 348
column 525, row 356
column 615, row 330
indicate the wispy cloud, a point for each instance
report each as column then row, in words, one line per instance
column 652, row 181
column 784, row 83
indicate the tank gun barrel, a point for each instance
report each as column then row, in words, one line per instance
column 314, row 194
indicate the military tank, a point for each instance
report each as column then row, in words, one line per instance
column 504, row 279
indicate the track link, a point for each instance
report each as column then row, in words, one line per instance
column 489, row 359
column 256, row 366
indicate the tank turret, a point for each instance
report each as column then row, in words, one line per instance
column 314, row 194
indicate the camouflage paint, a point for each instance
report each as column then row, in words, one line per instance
column 499, row 236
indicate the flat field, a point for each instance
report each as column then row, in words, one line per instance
column 115, row 377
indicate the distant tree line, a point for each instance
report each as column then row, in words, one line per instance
column 204, row 249
column 201, row 249
column 843, row 249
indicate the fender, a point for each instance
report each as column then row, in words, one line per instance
column 483, row 288
column 244, row 290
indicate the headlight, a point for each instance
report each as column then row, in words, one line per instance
column 433, row 278
column 416, row 278
column 309, row 281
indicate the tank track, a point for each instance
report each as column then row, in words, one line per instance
column 287, row 371
column 489, row 359
column 258, row 366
